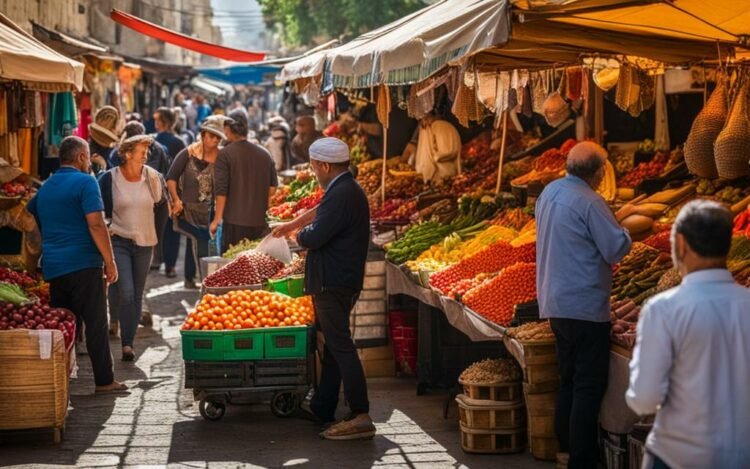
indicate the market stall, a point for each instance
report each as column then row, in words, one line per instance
column 35, row 99
column 558, row 61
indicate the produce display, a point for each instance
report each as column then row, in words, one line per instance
column 296, row 267
column 741, row 223
column 249, row 268
column 661, row 241
column 496, row 299
column 289, row 201
column 532, row 331
column 14, row 189
column 244, row 309
column 38, row 316
column 287, row 211
column 493, row 258
column 632, row 284
column 624, row 318
column 21, row 278
column 13, row 294
column 645, row 171
column 460, row 288
column 415, row 241
column 656, row 207
column 492, row 371
column 236, row 249
column 394, row 211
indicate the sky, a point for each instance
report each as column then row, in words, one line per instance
column 241, row 23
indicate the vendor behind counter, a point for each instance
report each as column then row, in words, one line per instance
column 400, row 129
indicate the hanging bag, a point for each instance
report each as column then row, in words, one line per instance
column 732, row 147
column 699, row 146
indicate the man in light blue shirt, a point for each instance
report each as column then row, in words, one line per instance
column 690, row 363
column 578, row 241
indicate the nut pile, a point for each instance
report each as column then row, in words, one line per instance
column 491, row 371
column 540, row 330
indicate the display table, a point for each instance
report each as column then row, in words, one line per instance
column 477, row 328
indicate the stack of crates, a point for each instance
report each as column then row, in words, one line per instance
column 541, row 383
column 369, row 320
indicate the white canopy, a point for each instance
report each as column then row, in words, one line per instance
column 411, row 48
column 24, row 58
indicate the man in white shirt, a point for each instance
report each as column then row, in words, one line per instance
column 690, row 363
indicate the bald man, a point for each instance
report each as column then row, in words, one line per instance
column 578, row 241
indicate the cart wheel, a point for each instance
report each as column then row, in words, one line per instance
column 284, row 404
column 212, row 410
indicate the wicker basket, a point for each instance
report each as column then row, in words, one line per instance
column 490, row 415
column 33, row 380
column 493, row 441
column 699, row 147
column 502, row 392
column 732, row 147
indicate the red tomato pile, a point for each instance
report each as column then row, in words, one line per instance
column 493, row 258
column 460, row 288
column 496, row 298
column 250, row 268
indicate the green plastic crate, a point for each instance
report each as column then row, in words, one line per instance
column 286, row 342
column 297, row 286
column 202, row 345
column 279, row 286
column 243, row 344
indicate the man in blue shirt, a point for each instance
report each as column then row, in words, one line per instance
column 165, row 119
column 578, row 241
column 75, row 245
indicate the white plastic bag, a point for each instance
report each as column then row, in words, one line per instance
column 277, row 248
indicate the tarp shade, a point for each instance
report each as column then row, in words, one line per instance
column 163, row 34
column 411, row 48
column 63, row 43
column 709, row 20
column 24, row 58
column 242, row 74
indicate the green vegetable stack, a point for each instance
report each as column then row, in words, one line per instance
column 10, row 293
column 416, row 240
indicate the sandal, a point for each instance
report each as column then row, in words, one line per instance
column 111, row 388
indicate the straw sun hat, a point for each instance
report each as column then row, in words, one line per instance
column 103, row 129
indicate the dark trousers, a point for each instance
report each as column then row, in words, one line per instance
column 340, row 359
column 233, row 234
column 197, row 243
column 170, row 246
column 583, row 356
column 83, row 292
column 161, row 216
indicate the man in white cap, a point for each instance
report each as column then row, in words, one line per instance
column 337, row 235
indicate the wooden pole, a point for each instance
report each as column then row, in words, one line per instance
column 385, row 163
column 502, row 152
column 384, row 94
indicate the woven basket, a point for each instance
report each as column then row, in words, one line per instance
column 699, row 147
column 732, row 147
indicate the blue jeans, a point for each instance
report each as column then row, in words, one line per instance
column 126, row 296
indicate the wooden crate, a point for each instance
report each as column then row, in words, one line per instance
column 33, row 380
column 541, row 374
column 490, row 415
column 539, row 352
column 493, row 441
column 544, row 449
column 507, row 392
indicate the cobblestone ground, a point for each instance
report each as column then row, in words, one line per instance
column 157, row 423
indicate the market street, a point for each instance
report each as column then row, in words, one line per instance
column 157, row 423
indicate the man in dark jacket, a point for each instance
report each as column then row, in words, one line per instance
column 337, row 236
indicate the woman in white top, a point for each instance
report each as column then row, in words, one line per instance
column 131, row 191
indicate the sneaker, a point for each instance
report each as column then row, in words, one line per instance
column 358, row 428
column 190, row 285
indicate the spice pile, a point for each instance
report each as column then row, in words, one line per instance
column 491, row 371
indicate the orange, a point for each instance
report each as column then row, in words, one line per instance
column 219, row 326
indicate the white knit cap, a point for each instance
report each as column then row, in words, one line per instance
column 329, row 150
